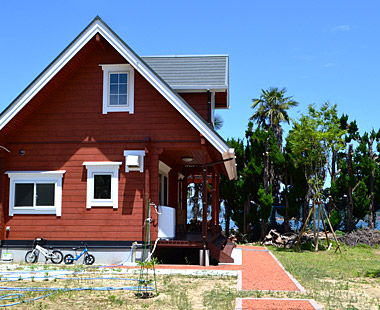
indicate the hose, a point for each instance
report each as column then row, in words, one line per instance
column 123, row 262
column 54, row 290
column 7, row 276
column 154, row 248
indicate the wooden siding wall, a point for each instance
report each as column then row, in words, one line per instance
column 67, row 128
column 199, row 102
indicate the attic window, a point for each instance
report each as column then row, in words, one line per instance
column 118, row 88
column 134, row 160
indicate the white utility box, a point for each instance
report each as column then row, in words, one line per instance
column 166, row 222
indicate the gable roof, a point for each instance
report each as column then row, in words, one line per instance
column 98, row 26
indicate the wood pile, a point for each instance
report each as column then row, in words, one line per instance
column 363, row 236
column 288, row 240
column 276, row 239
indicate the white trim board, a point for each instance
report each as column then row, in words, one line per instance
column 98, row 26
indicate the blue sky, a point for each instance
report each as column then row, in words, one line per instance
column 319, row 50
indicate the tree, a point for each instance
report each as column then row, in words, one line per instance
column 295, row 187
column 231, row 190
column 271, row 111
column 361, row 167
column 312, row 140
column 218, row 122
column 263, row 161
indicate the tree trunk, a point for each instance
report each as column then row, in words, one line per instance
column 264, row 228
column 286, row 215
column 305, row 207
column 277, row 132
column 371, row 215
column 266, row 167
column 350, row 203
column 245, row 215
column 331, row 204
column 227, row 218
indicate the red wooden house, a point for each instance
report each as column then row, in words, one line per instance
column 99, row 133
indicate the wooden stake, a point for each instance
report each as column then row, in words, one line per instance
column 324, row 226
column 303, row 229
column 314, row 229
column 332, row 230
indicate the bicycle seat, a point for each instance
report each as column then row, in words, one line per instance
column 75, row 249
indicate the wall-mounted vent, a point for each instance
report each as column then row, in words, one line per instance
column 134, row 160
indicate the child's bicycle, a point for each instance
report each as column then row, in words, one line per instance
column 88, row 258
column 55, row 256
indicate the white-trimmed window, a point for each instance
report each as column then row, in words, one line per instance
column 118, row 88
column 102, row 184
column 35, row 192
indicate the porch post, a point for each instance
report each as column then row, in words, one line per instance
column 204, row 209
column 217, row 201
column 184, row 193
column 214, row 211
column 173, row 188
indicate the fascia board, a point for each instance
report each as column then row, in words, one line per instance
column 47, row 74
column 98, row 26
column 230, row 164
column 200, row 88
column 228, row 81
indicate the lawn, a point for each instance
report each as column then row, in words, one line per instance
column 347, row 281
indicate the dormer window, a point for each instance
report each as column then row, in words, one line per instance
column 118, row 88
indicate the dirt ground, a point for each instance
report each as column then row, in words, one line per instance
column 175, row 292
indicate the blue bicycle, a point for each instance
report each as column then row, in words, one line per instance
column 88, row 258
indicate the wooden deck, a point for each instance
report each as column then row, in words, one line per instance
column 191, row 240
column 219, row 246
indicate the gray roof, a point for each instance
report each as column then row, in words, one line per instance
column 202, row 72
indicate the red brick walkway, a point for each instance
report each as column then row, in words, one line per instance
column 259, row 271
column 275, row 304
column 262, row 272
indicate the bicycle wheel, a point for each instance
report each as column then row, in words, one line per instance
column 69, row 259
column 30, row 257
column 57, row 257
column 89, row 259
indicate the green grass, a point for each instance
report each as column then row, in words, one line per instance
column 353, row 262
column 338, row 281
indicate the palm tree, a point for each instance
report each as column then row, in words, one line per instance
column 218, row 122
column 272, row 107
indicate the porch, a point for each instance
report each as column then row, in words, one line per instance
column 182, row 166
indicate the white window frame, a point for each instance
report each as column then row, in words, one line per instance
column 118, row 68
column 141, row 154
column 102, row 168
column 37, row 177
